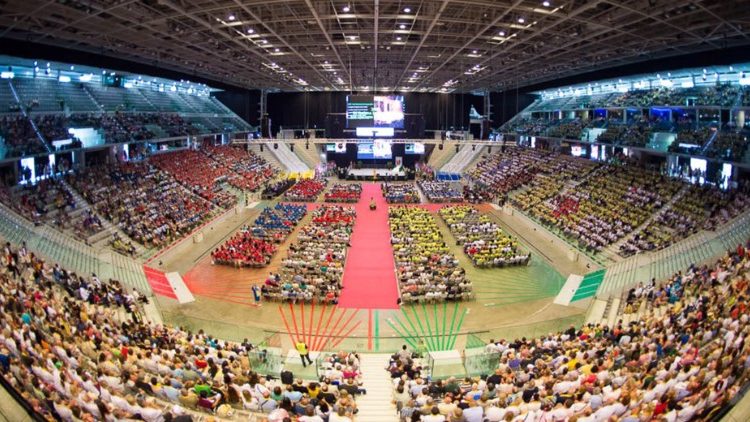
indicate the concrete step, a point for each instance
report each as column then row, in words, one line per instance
column 375, row 406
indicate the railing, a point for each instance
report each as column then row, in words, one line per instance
column 661, row 264
column 70, row 253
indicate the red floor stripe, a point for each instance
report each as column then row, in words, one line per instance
column 369, row 274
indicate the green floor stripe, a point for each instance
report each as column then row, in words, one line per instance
column 429, row 330
column 445, row 315
column 438, row 338
column 413, row 336
column 406, row 339
column 411, row 324
column 453, row 323
column 458, row 329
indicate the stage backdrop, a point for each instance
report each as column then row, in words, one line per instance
column 309, row 109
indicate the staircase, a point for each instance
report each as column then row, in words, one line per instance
column 288, row 159
column 439, row 157
column 91, row 96
column 375, row 406
column 309, row 155
column 266, row 155
column 28, row 117
column 465, row 156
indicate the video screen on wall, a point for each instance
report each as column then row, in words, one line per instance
column 377, row 111
column 374, row 150
column 416, row 148
column 359, row 111
column 388, row 111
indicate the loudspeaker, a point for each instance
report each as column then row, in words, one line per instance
column 291, row 147
column 489, row 150
column 275, row 146
column 456, row 148
column 307, row 145
column 440, row 147
column 261, row 147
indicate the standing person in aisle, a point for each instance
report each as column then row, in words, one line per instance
column 304, row 354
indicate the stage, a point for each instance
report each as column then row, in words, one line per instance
column 377, row 172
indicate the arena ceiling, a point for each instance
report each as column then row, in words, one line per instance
column 414, row 45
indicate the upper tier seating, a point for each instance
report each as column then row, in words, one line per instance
column 18, row 137
column 51, row 96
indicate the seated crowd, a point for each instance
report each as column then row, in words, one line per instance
column 72, row 354
column 148, row 205
column 248, row 171
column 440, row 191
column 45, row 201
column 314, row 265
column 276, row 187
column 483, row 241
column 255, row 246
column 607, row 206
column 426, row 269
column 700, row 208
column 275, row 224
column 305, row 190
column 684, row 360
column 198, row 174
column 400, row 193
column 18, row 136
column 344, row 192
column 500, row 173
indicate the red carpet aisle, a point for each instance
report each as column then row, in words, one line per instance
column 369, row 278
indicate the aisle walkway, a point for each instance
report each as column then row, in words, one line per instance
column 369, row 273
column 375, row 406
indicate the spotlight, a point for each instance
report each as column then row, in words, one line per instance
column 521, row 20
column 407, row 10
column 250, row 31
column 501, row 33
column 231, row 17
column 346, row 9
column 545, row 3
column 402, row 26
